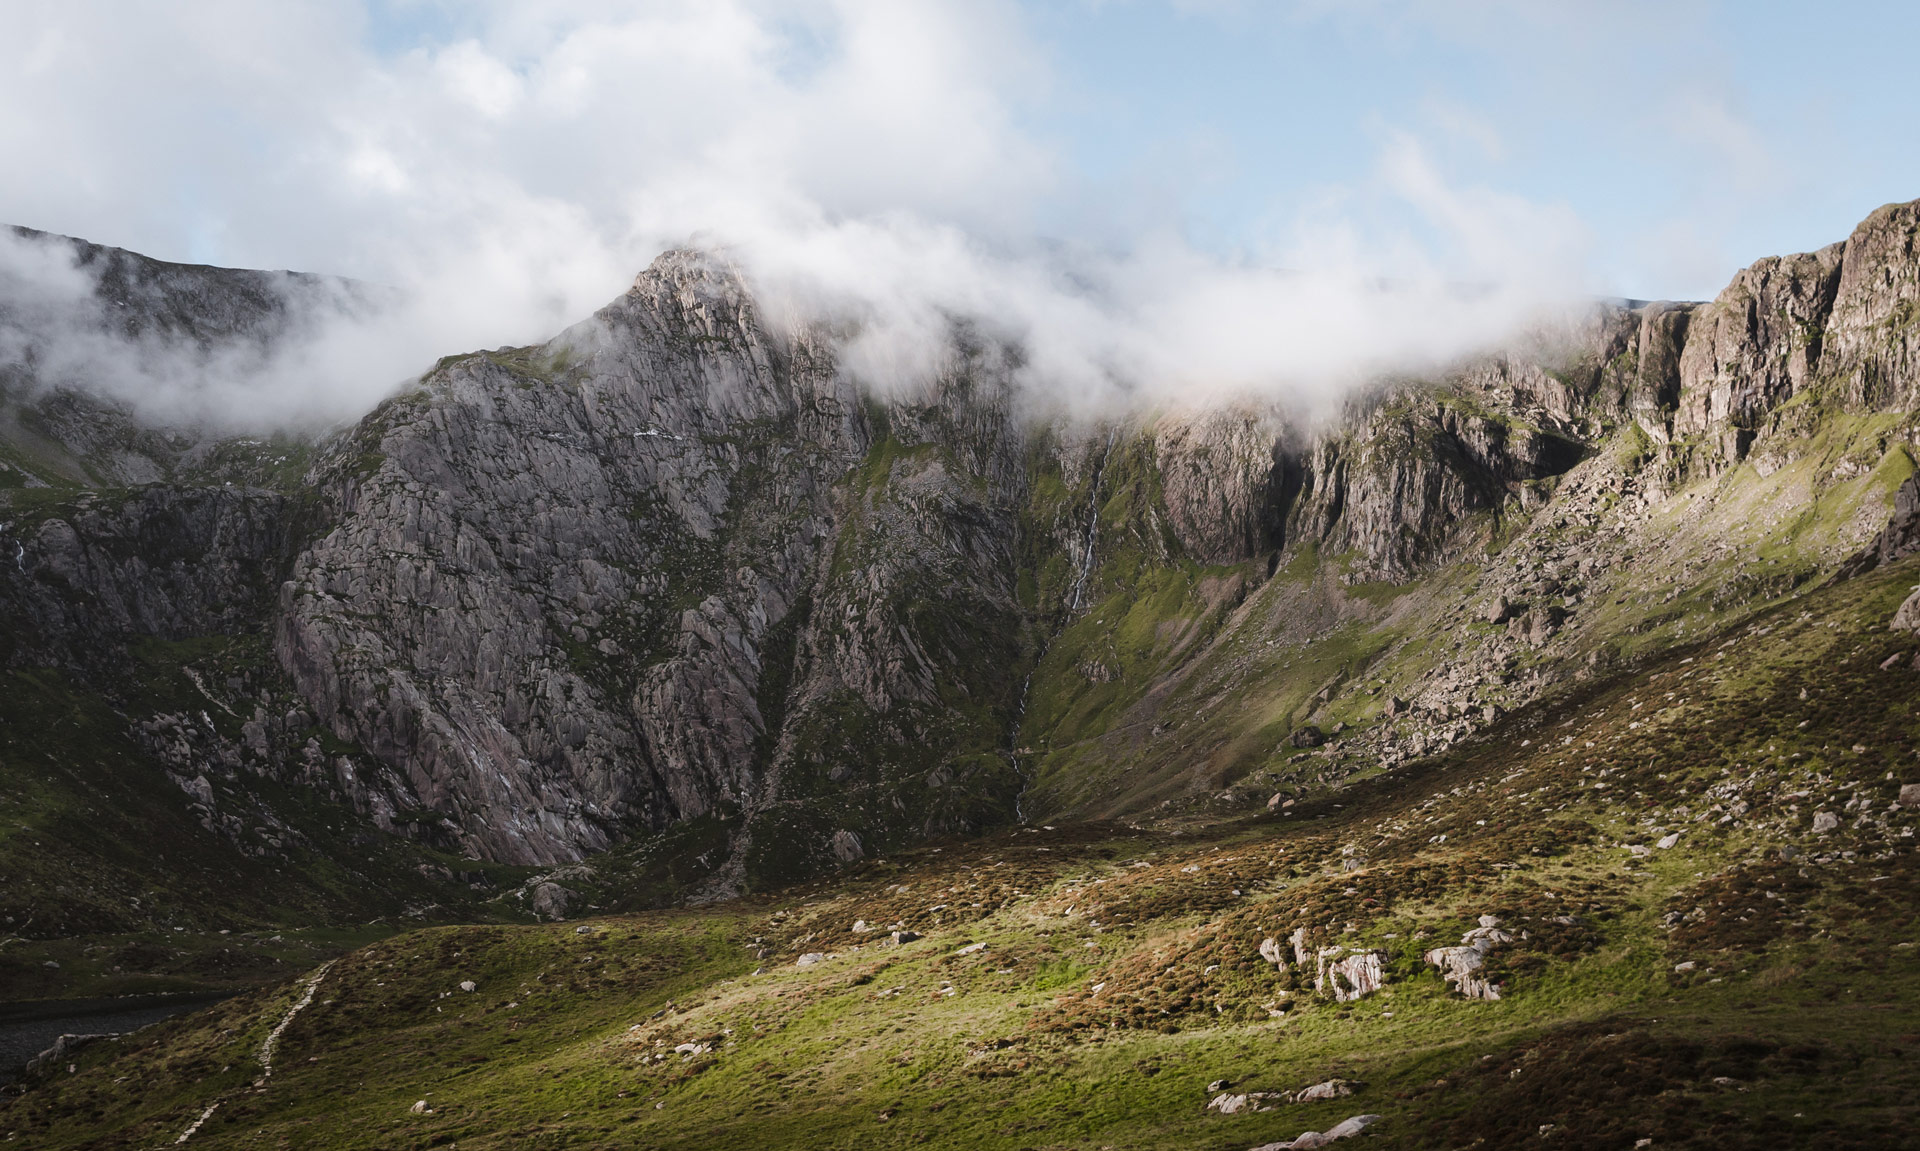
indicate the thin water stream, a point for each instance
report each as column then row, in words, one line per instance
column 1073, row 605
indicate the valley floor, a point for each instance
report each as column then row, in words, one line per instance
column 1701, row 881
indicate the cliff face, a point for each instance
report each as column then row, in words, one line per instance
column 672, row 568
column 617, row 582
column 546, row 577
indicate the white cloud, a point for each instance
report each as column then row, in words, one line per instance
column 864, row 158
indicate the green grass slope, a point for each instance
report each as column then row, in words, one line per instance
column 1752, row 984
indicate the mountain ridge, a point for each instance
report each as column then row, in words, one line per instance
column 538, row 598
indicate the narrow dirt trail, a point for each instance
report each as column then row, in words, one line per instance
column 267, row 1046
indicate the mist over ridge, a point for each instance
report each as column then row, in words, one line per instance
column 871, row 167
column 1104, row 336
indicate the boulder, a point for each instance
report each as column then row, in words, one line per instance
column 847, row 847
column 1331, row 1089
column 1907, row 617
column 1461, row 965
column 1355, row 977
column 1825, row 821
column 810, row 958
column 1307, row 1140
column 1901, row 537
column 550, row 900
column 1308, row 736
column 1229, row 1104
column 1274, row 952
column 62, row 1047
column 1910, row 795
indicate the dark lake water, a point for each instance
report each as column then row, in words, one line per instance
column 27, row 1029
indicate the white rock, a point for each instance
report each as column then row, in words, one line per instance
column 1352, row 1126
column 1274, row 952
column 1907, row 618
column 970, row 948
column 420, row 1108
column 810, row 958
column 1228, row 1104
column 1824, row 821
column 1459, row 966
column 1485, row 939
column 1331, row 1089
column 1667, row 841
column 469, row 985
column 1308, row 1140
column 1357, row 976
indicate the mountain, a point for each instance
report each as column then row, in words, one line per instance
column 667, row 611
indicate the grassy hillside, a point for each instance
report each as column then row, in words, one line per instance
column 1751, row 984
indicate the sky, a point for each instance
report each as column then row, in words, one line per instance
column 1153, row 196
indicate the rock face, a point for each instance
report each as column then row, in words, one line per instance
column 545, row 580
column 652, row 572
column 674, row 568
column 1757, row 344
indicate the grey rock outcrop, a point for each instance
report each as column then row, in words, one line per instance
column 1870, row 346
column 1307, row 1140
column 1757, row 344
column 1907, row 616
column 1463, row 966
column 1354, row 976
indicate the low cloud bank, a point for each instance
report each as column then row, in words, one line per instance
column 863, row 162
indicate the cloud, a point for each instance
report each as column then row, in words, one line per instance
column 868, row 161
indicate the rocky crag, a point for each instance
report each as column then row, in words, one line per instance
column 673, row 569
